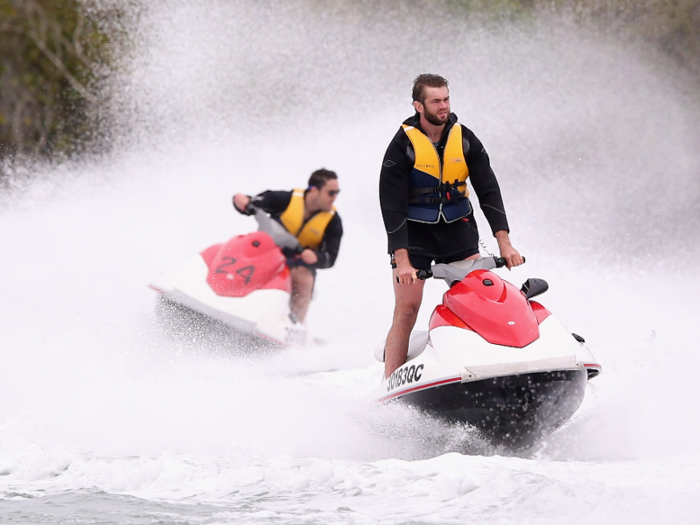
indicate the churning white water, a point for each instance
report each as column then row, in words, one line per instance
column 105, row 417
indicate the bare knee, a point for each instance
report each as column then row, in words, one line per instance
column 406, row 313
column 406, row 310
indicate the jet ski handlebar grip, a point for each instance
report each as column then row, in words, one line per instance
column 420, row 274
column 501, row 262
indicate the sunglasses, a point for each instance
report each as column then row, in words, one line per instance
column 333, row 193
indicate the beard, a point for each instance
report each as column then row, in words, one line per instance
column 433, row 117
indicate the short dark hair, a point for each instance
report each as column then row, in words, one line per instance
column 426, row 80
column 320, row 177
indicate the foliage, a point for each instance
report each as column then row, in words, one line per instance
column 57, row 53
column 672, row 26
column 52, row 57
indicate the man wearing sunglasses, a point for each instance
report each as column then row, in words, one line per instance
column 425, row 206
column 309, row 215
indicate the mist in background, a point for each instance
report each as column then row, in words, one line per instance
column 592, row 136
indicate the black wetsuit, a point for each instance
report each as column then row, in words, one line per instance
column 276, row 202
column 440, row 242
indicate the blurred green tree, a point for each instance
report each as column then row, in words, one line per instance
column 672, row 26
column 53, row 57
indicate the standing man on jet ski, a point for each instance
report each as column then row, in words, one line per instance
column 425, row 206
column 310, row 216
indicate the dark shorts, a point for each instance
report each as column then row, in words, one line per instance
column 293, row 262
column 442, row 242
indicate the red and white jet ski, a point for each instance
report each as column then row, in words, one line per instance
column 492, row 358
column 244, row 283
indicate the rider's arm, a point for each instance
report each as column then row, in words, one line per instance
column 404, row 271
column 484, row 182
column 394, row 191
column 330, row 246
column 273, row 202
column 510, row 254
column 490, row 200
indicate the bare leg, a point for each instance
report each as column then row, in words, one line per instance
column 408, row 299
column 302, row 287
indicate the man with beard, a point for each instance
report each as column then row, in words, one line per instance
column 309, row 215
column 425, row 206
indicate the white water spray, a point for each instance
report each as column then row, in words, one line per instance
column 593, row 141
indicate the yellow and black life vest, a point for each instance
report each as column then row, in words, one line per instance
column 438, row 187
column 309, row 233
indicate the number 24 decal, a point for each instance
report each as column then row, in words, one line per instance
column 246, row 272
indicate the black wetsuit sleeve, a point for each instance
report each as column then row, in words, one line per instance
column 273, row 202
column 330, row 245
column 394, row 191
column 484, row 182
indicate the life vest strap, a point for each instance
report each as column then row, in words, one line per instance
column 447, row 189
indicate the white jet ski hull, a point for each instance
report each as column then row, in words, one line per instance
column 263, row 313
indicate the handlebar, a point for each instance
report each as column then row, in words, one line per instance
column 499, row 262
column 423, row 274
column 279, row 234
